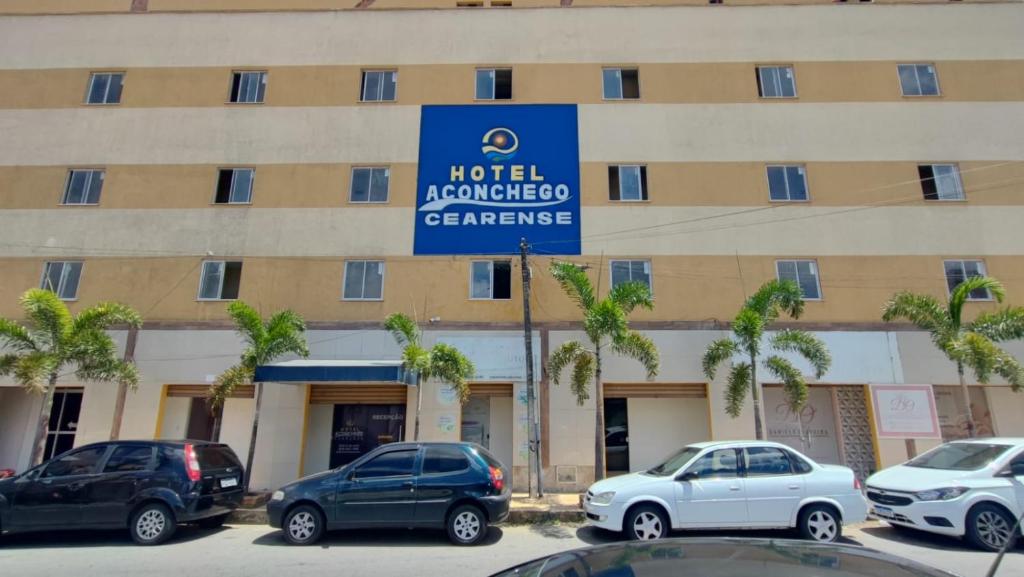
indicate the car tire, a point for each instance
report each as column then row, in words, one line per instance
column 466, row 525
column 820, row 523
column 212, row 522
column 152, row 524
column 303, row 525
column 988, row 527
column 645, row 523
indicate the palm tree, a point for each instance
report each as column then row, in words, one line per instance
column 283, row 333
column 748, row 328
column 969, row 345
column 605, row 324
column 54, row 340
column 442, row 362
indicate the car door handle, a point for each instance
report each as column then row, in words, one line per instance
column 734, row 488
column 794, row 487
column 410, row 485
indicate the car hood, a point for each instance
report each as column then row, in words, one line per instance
column 314, row 478
column 912, row 479
column 620, row 483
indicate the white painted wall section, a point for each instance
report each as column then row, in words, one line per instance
column 659, row 427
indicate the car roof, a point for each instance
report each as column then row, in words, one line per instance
column 737, row 444
column 993, row 440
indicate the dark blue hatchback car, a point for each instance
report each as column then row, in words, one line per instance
column 459, row 487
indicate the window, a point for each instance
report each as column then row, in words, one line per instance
column 60, row 431
column 957, row 271
column 631, row 271
column 776, row 82
column 803, row 273
column 787, row 182
column 918, row 80
column 627, row 183
column 494, row 83
column 439, row 460
column 364, row 280
column 105, row 88
column 83, row 187
column 490, row 279
column 234, row 186
column 379, row 85
column 81, row 462
column 766, row 461
column 127, row 458
column 369, row 185
column 220, row 280
column 62, row 277
column 621, row 83
column 716, row 464
column 393, row 464
column 248, row 87
column 800, row 466
column 940, row 182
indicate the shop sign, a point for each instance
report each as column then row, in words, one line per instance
column 812, row 431
column 499, row 358
column 905, row 412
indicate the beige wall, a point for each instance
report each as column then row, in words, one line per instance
column 317, row 452
column 236, row 425
column 279, row 440
column 174, row 424
column 658, row 427
column 1005, row 406
column 19, row 413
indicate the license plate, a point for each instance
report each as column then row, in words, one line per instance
column 229, row 482
column 884, row 512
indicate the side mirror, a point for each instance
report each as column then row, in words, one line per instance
column 1014, row 470
column 688, row 476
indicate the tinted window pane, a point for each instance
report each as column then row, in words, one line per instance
column 216, row 457
column 444, row 460
column 761, row 461
column 485, row 84
column 114, row 92
column 612, row 83
column 769, row 80
column 787, row 82
column 629, row 183
column 210, row 283
column 787, row 270
column 92, row 194
column 388, row 465
column 354, row 279
column 77, row 463
column 908, row 80
column 926, row 78
column 232, row 280
column 72, row 274
column 379, row 184
column 716, row 464
column 76, row 191
column 481, row 280
column 777, row 183
column 640, row 271
column 954, row 274
column 389, row 79
column 373, row 283
column 360, row 191
column 630, row 84
column 808, row 279
column 796, row 183
column 503, row 84
column 51, row 276
column 98, row 91
column 127, row 458
column 501, row 280
column 241, row 186
column 799, row 465
column 620, row 272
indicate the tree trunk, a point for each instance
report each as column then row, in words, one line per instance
column 252, row 439
column 966, row 392
column 599, row 472
column 419, row 404
column 122, row 389
column 44, row 421
column 755, row 390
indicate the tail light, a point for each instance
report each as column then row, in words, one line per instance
column 497, row 479
column 192, row 463
column 856, row 484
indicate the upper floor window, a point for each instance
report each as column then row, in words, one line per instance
column 940, row 182
column 627, row 182
column 234, row 186
column 776, row 82
column 220, row 280
column 804, row 273
column 248, row 87
column 105, row 88
column 621, row 83
column 631, row 271
column 490, row 279
column 83, row 187
column 369, row 184
column 379, row 85
column 918, row 80
column 494, row 84
column 787, row 182
column 957, row 271
column 364, row 280
column 61, row 277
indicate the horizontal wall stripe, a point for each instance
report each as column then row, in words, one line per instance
column 655, row 34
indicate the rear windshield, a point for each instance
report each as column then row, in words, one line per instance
column 959, row 456
column 491, row 460
column 216, row 457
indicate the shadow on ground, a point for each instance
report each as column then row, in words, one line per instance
column 917, row 538
column 95, row 538
column 595, row 536
column 380, row 538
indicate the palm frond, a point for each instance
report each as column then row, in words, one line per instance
column 105, row 315
column 7, row 363
column 47, row 313
column 285, row 334
column 776, row 295
column 806, row 345
column 963, row 291
column 1002, row 325
column 114, row 370
column 630, row 295
column 575, row 283
column 604, row 320
column 976, row 352
column 403, row 328
column 32, row 370
column 416, row 359
column 1011, row 371
column 583, row 370
column 562, row 357
column 15, row 337
column 748, row 326
column 449, row 365
column 736, row 388
column 924, row 311
column 248, row 323
column 716, row 353
column 640, row 348
column 226, row 383
column 793, row 385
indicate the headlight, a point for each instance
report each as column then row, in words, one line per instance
column 603, row 498
column 944, row 494
column 277, row 496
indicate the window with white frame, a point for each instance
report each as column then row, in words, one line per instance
column 940, row 182
column 490, row 279
column 787, row 182
column 248, row 87
column 804, row 273
column 623, row 271
column 627, row 182
column 234, row 186
column 621, row 83
column 494, row 84
column 62, row 277
column 957, row 271
column 918, row 80
column 105, row 88
column 379, row 85
column 364, row 280
column 776, row 82
column 83, row 187
column 220, row 280
column 369, row 184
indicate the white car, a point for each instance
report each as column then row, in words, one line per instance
column 970, row 488
column 729, row 485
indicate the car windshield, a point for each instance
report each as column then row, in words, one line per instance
column 959, row 456
column 670, row 465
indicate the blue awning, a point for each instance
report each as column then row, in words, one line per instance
column 310, row 371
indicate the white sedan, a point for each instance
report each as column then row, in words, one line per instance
column 969, row 488
column 729, row 485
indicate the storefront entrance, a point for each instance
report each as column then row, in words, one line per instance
column 645, row 422
column 949, row 402
column 359, row 429
column 487, row 419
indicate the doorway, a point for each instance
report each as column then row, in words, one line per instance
column 202, row 424
column 359, row 429
column 60, row 434
column 616, row 436
column 487, row 421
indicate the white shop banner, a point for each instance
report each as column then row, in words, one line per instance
column 905, row 412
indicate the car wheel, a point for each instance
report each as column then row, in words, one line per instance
column 467, row 525
column 213, row 522
column 152, row 524
column 646, row 522
column 303, row 525
column 820, row 523
column 989, row 527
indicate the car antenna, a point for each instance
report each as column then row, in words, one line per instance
column 1009, row 541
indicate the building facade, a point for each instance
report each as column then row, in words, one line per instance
column 174, row 155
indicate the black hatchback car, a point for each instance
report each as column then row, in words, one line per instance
column 459, row 487
column 147, row 486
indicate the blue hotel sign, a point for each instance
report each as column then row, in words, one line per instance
column 491, row 175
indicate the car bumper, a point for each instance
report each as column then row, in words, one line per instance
column 607, row 517
column 275, row 512
column 943, row 517
column 855, row 508
column 197, row 507
column 497, row 507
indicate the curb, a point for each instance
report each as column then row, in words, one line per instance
column 515, row 516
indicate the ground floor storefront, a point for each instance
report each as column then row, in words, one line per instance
column 313, row 421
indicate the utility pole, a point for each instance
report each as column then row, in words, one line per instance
column 531, row 408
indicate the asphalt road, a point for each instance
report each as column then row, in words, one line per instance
column 258, row 551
